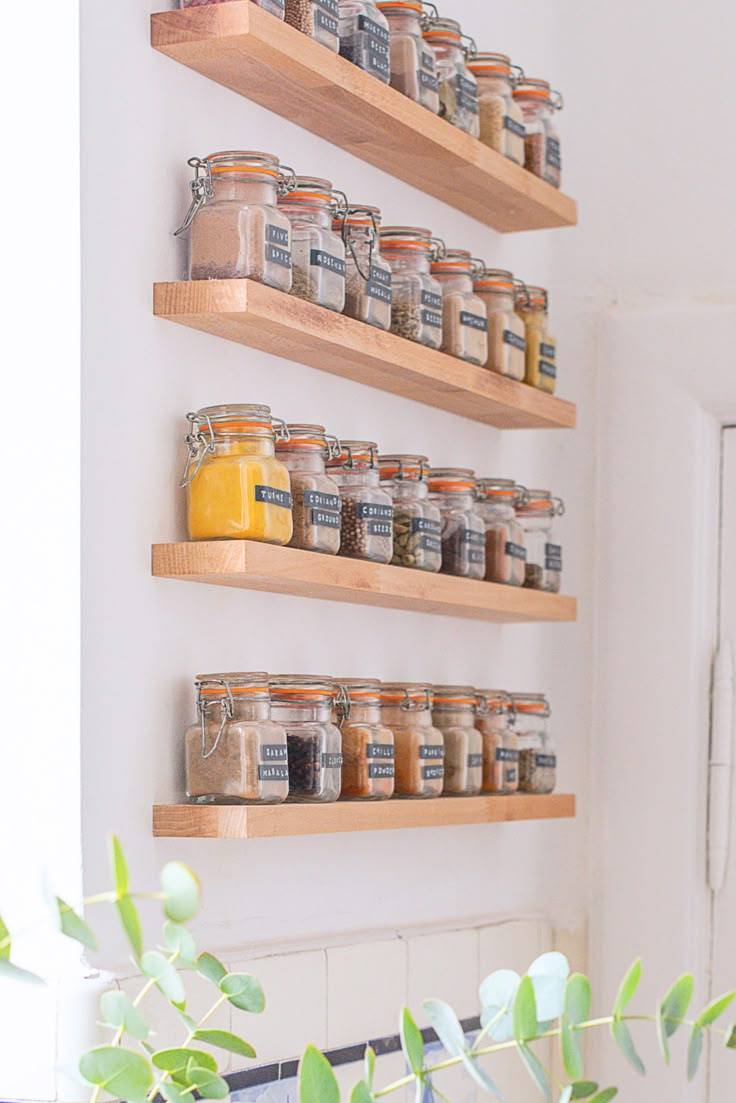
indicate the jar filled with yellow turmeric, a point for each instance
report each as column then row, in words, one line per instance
column 532, row 306
column 236, row 488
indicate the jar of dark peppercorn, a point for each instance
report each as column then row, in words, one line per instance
column 367, row 512
column 463, row 530
column 303, row 706
column 537, row 513
column 417, row 522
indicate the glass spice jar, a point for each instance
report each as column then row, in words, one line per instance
column 303, row 705
column 367, row 744
column 413, row 64
column 537, row 512
column 274, row 7
column 236, row 487
column 532, row 306
column 316, row 497
column 541, row 143
column 453, row 712
column 505, row 548
column 537, row 758
column 417, row 521
column 235, row 753
column 319, row 19
column 368, row 276
column 367, row 513
column 416, row 311
column 458, row 86
column 495, row 720
column 237, row 230
column 364, row 38
column 406, row 709
column 506, row 330
column 501, row 119
column 317, row 253
column 464, row 318
column 463, row 530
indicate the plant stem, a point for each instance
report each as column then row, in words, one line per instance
column 190, row 1037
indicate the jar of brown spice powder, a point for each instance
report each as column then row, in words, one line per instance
column 317, row 252
column 464, row 317
column 453, row 713
column 501, row 119
column 495, row 718
column 367, row 744
column 537, row 757
column 506, row 331
column 453, row 489
column 505, row 549
column 367, row 530
column 419, row 746
column 413, row 63
column 537, row 513
column 541, row 143
column 316, row 503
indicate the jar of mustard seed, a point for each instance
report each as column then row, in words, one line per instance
column 236, row 487
column 413, row 64
column 367, row 744
column 235, row 753
column 364, row 38
column 501, row 119
column 464, row 317
column 319, row 19
column 505, row 548
column 496, row 287
column 416, row 311
column 303, row 705
column 458, row 86
column 367, row 511
column 495, row 720
column 537, row 757
column 453, row 489
column 541, row 143
column 453, row 712
column 532, row 307
column 368, row 276
column 237, row 230
column 406, row 709
column 417, row 521
column 537, row 512
column 316, row 499
column 273, row 7
column 317, row 252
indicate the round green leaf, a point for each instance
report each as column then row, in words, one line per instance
column 207, row 1083
column 223, row 1039
column 672, row 1011
column 175, row 1060
column 605, row 1096
column 181, row 892
column 622, row 1037
column 119, row 1013
column 119, row 867
column 178, row 938
column 447, row 1026
column 581, row 1089
column 525, row 1011
column 121, row 1072
column 577, row 999
column 317, row 1083
column 160, row 970
column 412, row 1042
column 243, row 991
column 629, row 985
column 549, row 975
column 497, row 994
column 208, row 966
column 715, row 1009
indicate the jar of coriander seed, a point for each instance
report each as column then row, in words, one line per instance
column 319, row 19
column 367, row 511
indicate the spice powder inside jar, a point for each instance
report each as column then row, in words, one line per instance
column 316, row 497
column 367, row 744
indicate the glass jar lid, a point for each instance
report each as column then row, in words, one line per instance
column 500, row 490
column 400, row 7
column 406, row 238
column 355, row 454
column 243, row 420
column 532, row 90
column 447, row 32
column 404, row 468
column 541, row 503
column 408, row 696
column 495, row 65
column 302, row 689
column 215, row 687
column 496, row 701
column 357, row 691
column 308, row 438
column 358, row 217
column 454, row 698
column 229, row 165
column 450, row 261
column 531, row 704
column 497, row 281
column 531, row 297
column 313, row 191
column 452, row 480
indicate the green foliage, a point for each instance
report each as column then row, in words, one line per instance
column 119, row 1013
column 694, row 1052
column 672, row 1011
column 361, row 1093
column 535, row 1069
column 223, row 1039
column 715, row 1009
column 525, row 1012
column 178, row 940
column 446, row 1025
column 317, row 1083
column 131, row 923
column 208, row 966
column 119, row 868
column 177, row 1060
column 605, row 1096
column 549, row 975
column 412, row 1042
column 207, row 1083
column 121, row 1072
column 582, row 1089
column 624, row 1041
column 628, row 988
column 481, row 1077
column 497, row 995
column 730, row 1039
column 9, row 971
column 243, row 991
column 74, row 927
column 369, row 1061
column 577, row 1000
column 5, row 941
column 167, row 980
column 180, row 888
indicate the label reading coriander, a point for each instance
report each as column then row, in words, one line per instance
column 513, row 339
column 553, row 153
column 546, row 761
column 379, row 520
column 273, row 772
column 429, row 534
column 380, row 769
column 553, row 557
column 428, row 80
column 505, row 754
column 379, row 284
column 323, row 509
column 271, row 496
column 474, row 761
column 467, row 95
column 546, row 367
column 432, row 752
column 379, row 750
column 514, row 126
column 476, row 545
column 433, row 773
column 516, row 551
column 375, row 47
column 473, row 321
column 331, row 761
column 326, row 16
column 318, row 258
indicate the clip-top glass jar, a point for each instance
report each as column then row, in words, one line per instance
column 464, row 318
column 316, row 497
column 365, row 38
column 501, row 119
column 419, row 746
column 417, row 521
column 506, row 331
column 368, row 277
column 320, row 19
column 367, row 513
column 236, row 487
column 453, row 712
column 505, row 548
column 237, row 229
column 495, row 721
column 303, row 705
column 463, row 530
column 317, row 253
column 458, row 86
column 235, row 753
column 274, row 7
column 416, row 312
column 367, row 744
column 541, row 144
column 537, row 512
column 532, row 307
column 537, row 757
column 413, row 64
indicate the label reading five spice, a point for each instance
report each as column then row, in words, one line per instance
column 431, row 314
column 379, row 519
column 272, row 496
column 277, row 246
column 324, row 509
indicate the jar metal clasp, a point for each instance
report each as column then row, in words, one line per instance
column 198, row 445
column 201, row 188
column 227, row 709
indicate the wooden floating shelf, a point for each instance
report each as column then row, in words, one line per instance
column 192, row 821
column 248, row 50
column 272, row 321
column 248, row 565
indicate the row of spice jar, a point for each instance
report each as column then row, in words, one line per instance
column 251, row 476
column 428, row 59
column 261, row 739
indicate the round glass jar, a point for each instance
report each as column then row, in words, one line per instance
column 506, row 331
column 453, row 713
column 458, row 86
column 464, row 318
column 368, row 275
column 537, row 513
column 532, row 307
column 537, row 757
column 495, row 720
column 317, row 253
column 417, row 522
column 406, row 709
column 505, row 548
column 319, row 19
column 413, row 64
column 541, row 143
column 365, row 39
column 416, row 311
column 236, row 487
column 235, row 753
column 367, row 744
column 367, row 513
column 501, row 119
column 303, row 705
column 463, row 531
column 274, row 7
column 316, row 498
column 237, row 230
